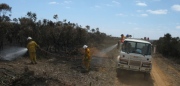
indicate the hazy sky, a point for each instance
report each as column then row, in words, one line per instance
column 140, row 18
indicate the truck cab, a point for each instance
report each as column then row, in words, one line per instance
column 135, row 54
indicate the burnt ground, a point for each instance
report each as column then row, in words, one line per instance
column 56, row 71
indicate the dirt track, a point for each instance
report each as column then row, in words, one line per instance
column 165, row 72
column 159, row 77
column 58, row 72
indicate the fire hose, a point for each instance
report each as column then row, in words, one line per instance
column 47, row 52
column 57, row 55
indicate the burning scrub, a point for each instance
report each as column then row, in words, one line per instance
column 32, row 46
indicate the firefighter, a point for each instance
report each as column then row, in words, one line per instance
column 122, row 38
column 32, row 46
column 86, row 60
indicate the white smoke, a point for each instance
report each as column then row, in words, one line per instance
column 12, row 53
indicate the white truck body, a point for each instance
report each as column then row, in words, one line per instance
column 135, row 55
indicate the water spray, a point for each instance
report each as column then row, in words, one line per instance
column 109, row 48
column 98, row 61
column 104, row 51
column 12, row 53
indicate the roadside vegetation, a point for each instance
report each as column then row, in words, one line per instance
column 169, row 47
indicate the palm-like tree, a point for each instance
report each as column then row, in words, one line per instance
column 97, row 29
column 87, row 27
column 64, row 20
column 15, row 20
column 45, row 22
column 32, row 16
column 4, row 8
column 55, row 17
column 93, row 30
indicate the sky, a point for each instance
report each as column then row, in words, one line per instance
column 139, row 18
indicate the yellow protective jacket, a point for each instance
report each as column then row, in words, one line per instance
column 122, row 39
column 87, row 54
column 32, row 45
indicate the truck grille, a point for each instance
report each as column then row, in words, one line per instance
column 135, row 63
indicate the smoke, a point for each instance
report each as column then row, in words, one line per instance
column 12, row 53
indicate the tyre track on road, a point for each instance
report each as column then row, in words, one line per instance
column 158, row 76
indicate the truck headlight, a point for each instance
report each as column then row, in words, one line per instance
column 123, row 61
column 146, row 64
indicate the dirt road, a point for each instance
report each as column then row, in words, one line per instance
column 165, row 72
column 160, row 78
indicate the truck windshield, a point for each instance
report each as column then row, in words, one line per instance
column 136, row 47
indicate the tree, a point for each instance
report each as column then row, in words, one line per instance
column 5, row 25
column 64, row 20
column 4, row 8
column 55, row 17
column 167, row 37
column 15, row 20
column 168, row 46
column 87, row 27
column 97, row 29
column 32, row 16
column 45, row 22
column 92, row 30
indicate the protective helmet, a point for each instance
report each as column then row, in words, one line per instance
column 29, row 38
column 127, row 35
column 85, row 46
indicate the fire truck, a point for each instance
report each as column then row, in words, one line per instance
column 135, row 54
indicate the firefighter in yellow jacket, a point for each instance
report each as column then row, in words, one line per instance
column 32, row 46
column 87, row 58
